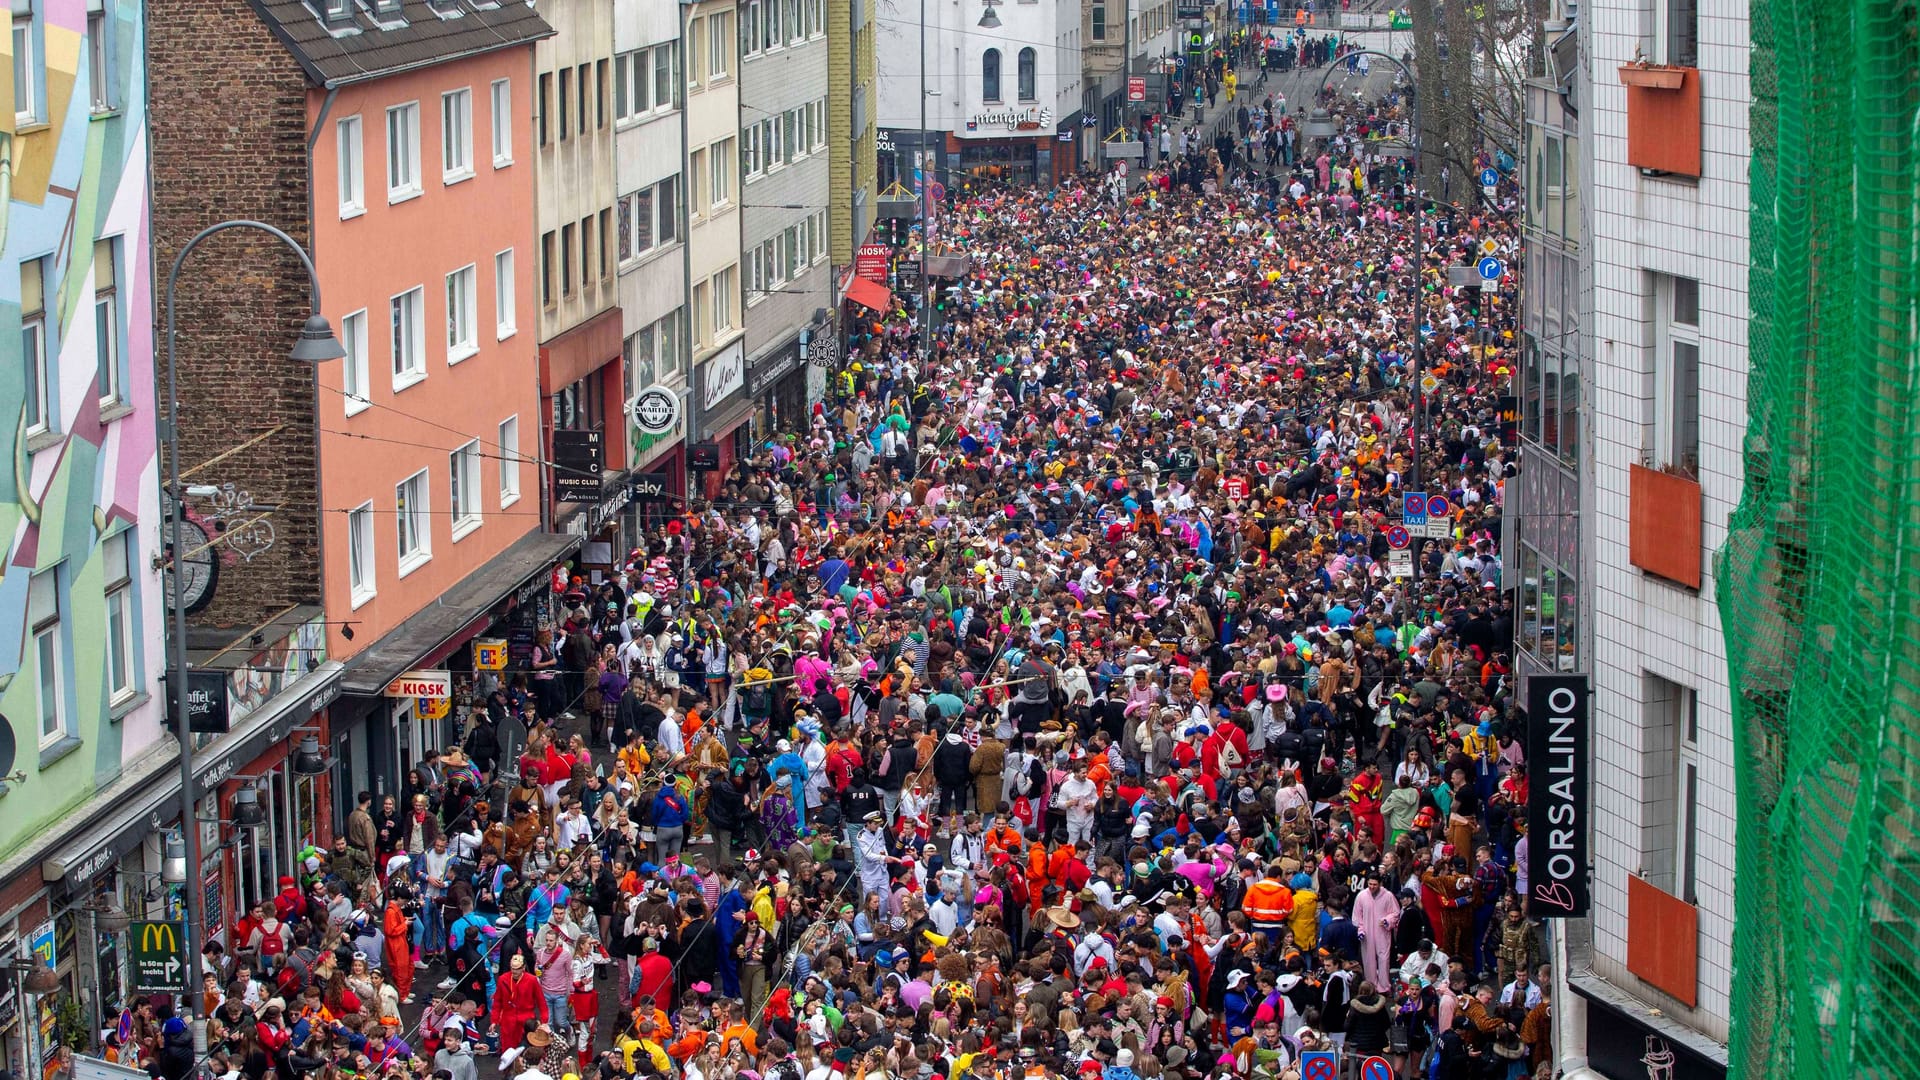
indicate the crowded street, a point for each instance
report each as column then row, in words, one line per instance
column 1060, row 696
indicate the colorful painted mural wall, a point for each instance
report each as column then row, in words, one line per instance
column 81, row 602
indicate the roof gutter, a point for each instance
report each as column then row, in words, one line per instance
column 433, row 61
column 320, row 122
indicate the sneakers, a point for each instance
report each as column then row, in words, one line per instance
column 447, row 983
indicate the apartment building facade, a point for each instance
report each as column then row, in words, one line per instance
column 1632, row 408
column 853, row 89
column 786, row 175
column 716, row 314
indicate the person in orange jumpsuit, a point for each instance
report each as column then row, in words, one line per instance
column 397, row 929
column 516, row 1000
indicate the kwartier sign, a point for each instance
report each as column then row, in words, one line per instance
column 1558, row 803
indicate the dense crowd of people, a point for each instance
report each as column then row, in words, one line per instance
column 1043, row 706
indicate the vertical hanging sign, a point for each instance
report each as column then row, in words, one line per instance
column 1559, row 804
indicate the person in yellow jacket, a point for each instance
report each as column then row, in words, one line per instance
column 1231, row 82
column 1305, row 919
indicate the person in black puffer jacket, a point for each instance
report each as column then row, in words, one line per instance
column 1368, row 1016
column 175, row 1060
column 726, row 811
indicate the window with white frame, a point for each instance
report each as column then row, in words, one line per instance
column 719, row 44
column 403, row 151
column 749, row 153
column 509, row 461
column 116, row 570
column 1676, row 365
column 463, row 488
column 503, row 313
column 694, row 41
column 353, row 367
column 722, row 159
column 502, row 119
column 724, row 284
column 795, row 252
column 99, row 62
column 413, row 518
column 409, row 338
column 1670, row 788
column 817, row 18
column 770, row 155
column 456, row 135
column 28, row 70
column 106, row 319
column 33, row 345
column 362, row 580
column 697, row 307
column 463, row 335
column 666, row 77
column 1676, row 32
column 795, row 31
column 818, row 237
column 350, row 156
column 769, row 28
column 43, row 622
column 749, row 29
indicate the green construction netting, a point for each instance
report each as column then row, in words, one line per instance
column 1820, row 577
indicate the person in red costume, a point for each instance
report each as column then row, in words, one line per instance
column 516, row 1000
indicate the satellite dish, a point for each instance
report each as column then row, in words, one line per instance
column 6, row 745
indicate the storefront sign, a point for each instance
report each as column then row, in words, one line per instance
column 578, row 458
column 883, row 141
column 770, row 368
column 433, row 708
column 823, row 352
column 1137, row 88
column 723, row 374
column 648, row 488
column 490, row 654
column 598, row 517
column 427, row 684
column 703, row 455
column 158, row 953
column 655, row 410
column 870, row 262
column 208, row 709
column 1015, row 119
column 1557, row 812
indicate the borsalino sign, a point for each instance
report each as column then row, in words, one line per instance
column 1558, row 807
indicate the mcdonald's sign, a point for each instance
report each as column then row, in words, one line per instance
column 157, row 951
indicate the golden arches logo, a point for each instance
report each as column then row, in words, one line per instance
column 159, row 937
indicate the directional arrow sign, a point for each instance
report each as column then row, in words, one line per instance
column 1491, row 268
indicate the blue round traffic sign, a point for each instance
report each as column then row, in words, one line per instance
column 1398, row 537
column 1438, row 506
column 1491, row 268
column 1376, row 1068
column 1489, row 177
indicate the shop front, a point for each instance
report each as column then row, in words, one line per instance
column 777, row 384
column 383, row 724
column 1626, row 1042
column 656, row 457
column 724, row 436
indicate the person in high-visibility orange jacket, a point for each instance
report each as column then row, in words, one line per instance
column 1268, row 903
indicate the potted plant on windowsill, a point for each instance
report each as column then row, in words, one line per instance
column 1653, row 76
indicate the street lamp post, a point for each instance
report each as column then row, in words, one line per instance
column 314, row 345
column 1419, row 272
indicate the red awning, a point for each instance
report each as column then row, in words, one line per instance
column 870, row 294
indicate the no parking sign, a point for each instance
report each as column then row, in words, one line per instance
column 1376, row 1068
column 1319, row 1065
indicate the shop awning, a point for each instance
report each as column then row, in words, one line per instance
column 459, row 613
column 870, row 294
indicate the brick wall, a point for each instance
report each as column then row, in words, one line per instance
column 228, row 129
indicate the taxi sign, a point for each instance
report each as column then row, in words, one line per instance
column 1416, row 509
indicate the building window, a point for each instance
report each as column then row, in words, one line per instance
column 698, row 310
column 990, row 75
column 695, row 39
column 587, row 276
column 502, row 118
column 1029, row 74
column 600, row 94
column 351, row 156
column 360, row 572
column 463, row 488
column 585, row 82
column 1099, row 22
column 99, row 62
column 541, row 106
column 606, row 241
column 27, row 71
column 1670, row 796
column 1676, row 428
column 463, row 337
column 795, row 254
column 413, row 516
column 696, row 170
column 503, row 314
column 409, row 339
column 456, row 135
column 566, row 260
column 43, row 621
column 719, row 44
column 1677, row 32
column 354, row 380
column 116, row 567
column 509, row 461
column 106, row 319
column 724, row 284
column 666, row 76
column 722, row 159
column 33, row 345
column 403, row 151
column 546, row 269
column 566, row 93
column 750, row 29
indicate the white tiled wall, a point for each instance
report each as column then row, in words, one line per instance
column 1641, row 624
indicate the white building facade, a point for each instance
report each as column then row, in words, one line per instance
column 715, row 311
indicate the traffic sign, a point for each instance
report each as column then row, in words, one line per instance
column 1439, row 507
column 1416, row 509
column 1435, row 530
column 1399, row 563
column 1121, row 168
column 158, row 951
column 1491, row 268
column 1488, row 178
column 1428, row 384
column 1398, row 537
column 1489, row 246
column 1377, row 1067
column 1319, row 1065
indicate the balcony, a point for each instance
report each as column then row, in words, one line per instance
column 1663, row 118
column 1663, row 941
column 1663, row 516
